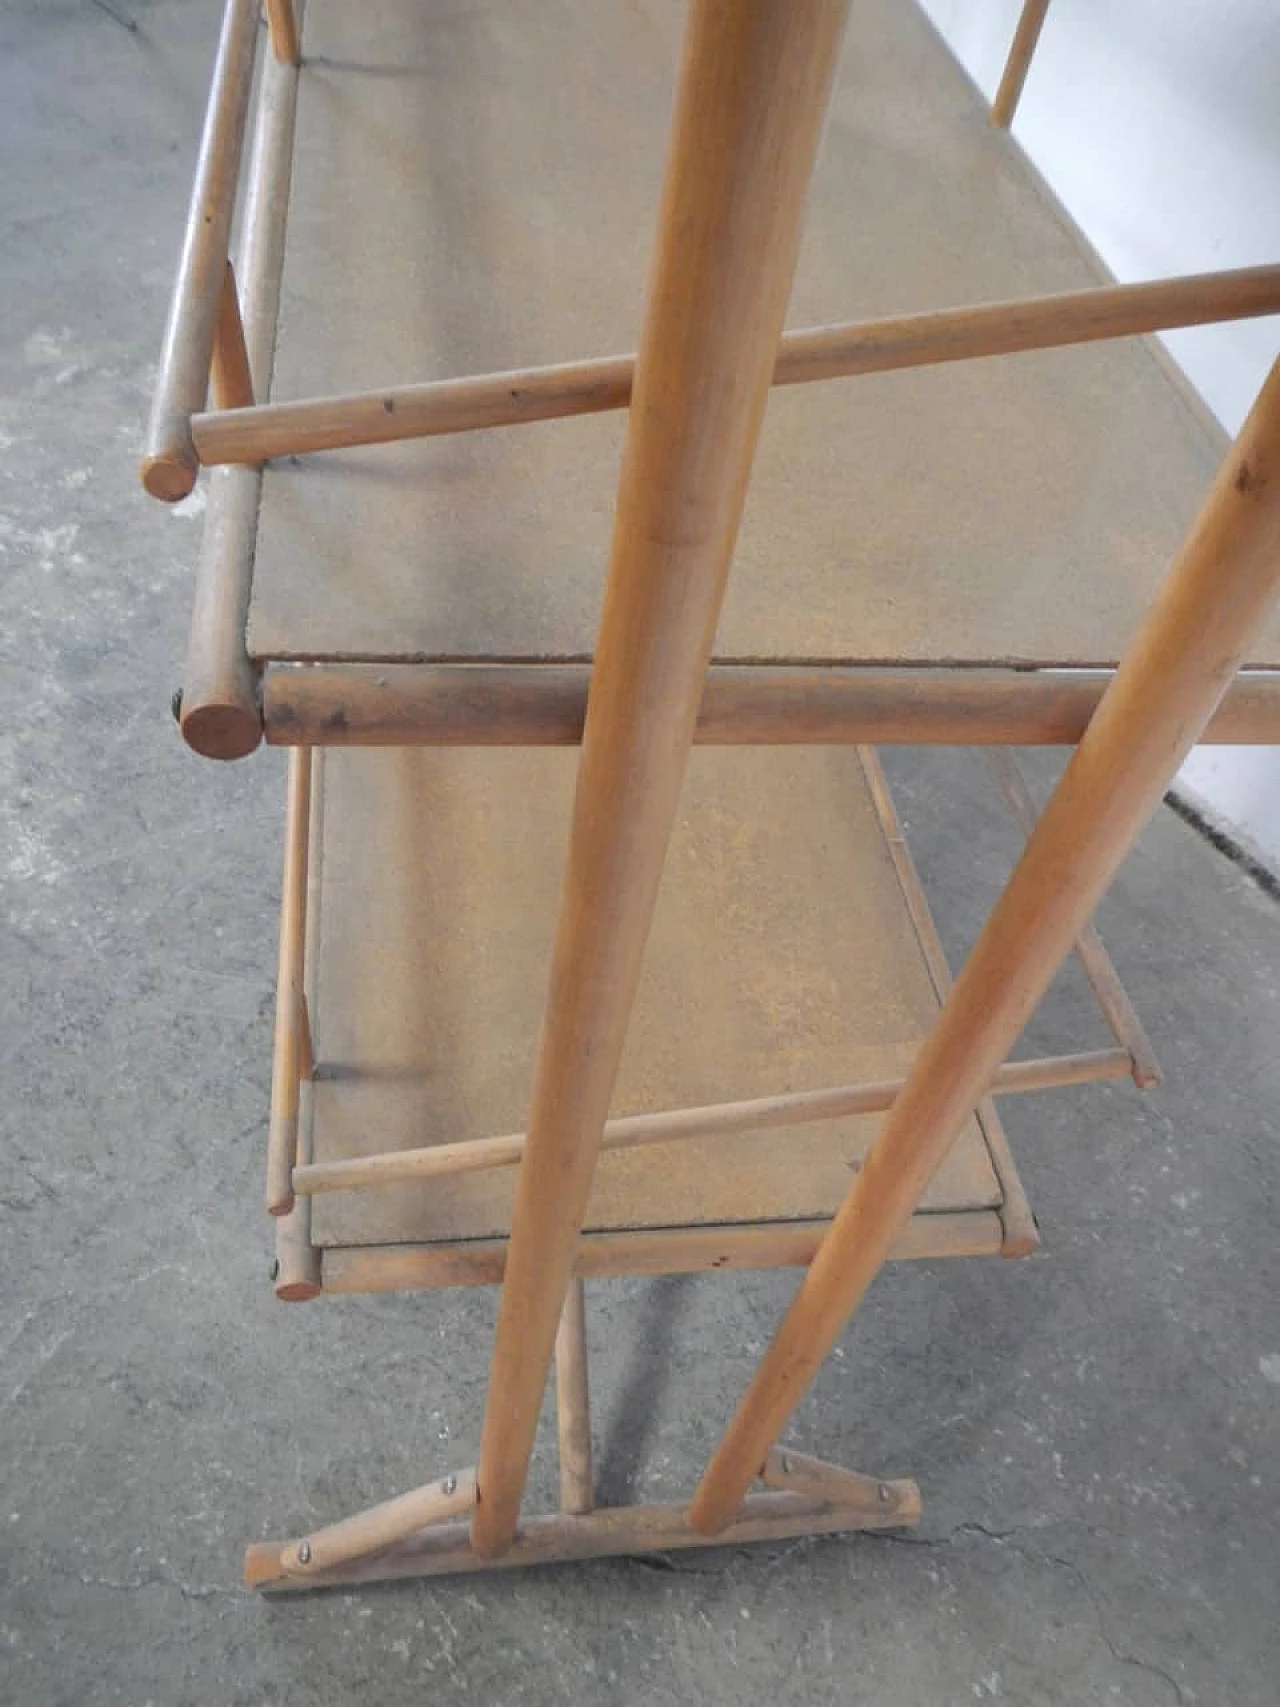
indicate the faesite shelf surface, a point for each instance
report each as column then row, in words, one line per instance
column 782, row 957
column 476, row 189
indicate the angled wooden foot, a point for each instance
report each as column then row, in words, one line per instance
column 340, row 1546
column 787, row 1471
column 805, row 1497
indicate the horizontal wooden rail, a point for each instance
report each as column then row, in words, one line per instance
column 823, row 352
column 793, row 1108
column 649, row 1250
column 543, row 705
column 170, row 463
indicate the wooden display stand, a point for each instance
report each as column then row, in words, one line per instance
column 485, row 931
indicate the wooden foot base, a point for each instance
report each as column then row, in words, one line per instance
column 805, row 1497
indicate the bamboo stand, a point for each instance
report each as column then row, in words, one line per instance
column 752, row 95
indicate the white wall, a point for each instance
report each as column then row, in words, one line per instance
column 1157, row 125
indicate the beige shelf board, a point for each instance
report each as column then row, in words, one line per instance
column 783, row 957
column 475, row 189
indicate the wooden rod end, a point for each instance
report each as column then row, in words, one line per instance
column 262, row 1564
column 221, row 730
column 169, row 475
column 297, row 1288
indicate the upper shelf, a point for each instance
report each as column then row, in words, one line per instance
column 477, row 191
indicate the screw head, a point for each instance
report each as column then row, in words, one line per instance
column 450, row 1484
column 786, row 1465
column 304, row 1552
column 885, row 1493
column 275, row 1268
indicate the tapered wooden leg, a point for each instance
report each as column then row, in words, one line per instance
column 573, row 1406
column 752, row 96
column 1192, row 642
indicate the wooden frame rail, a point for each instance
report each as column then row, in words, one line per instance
column 668, row 1126
column 824, row 352
column 170, row 462
column 544, row 705
column 220, row 713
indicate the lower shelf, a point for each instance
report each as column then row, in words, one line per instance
column 786, row 954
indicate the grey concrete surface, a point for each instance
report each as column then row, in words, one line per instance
column 1095, row 1430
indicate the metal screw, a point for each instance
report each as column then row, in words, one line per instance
column 275, row 1268
column 885, row 1492
column 304, row 1552
column 175, row 705
column 451, row 1484
column 786, row 1465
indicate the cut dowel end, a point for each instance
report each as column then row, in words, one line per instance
column 222, row 729
column 262, row 1568
column 169, row 475
column 297, row 1289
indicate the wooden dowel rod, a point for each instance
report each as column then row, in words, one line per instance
column 927, row 1237
column 169, row 463
column 573, row 1405
column 1104, row 980
column 229, row 371
column 378, row 1528
column 1023, row 46
column 613, row 1532
column 283, row 29
column 749, row 110
column 1021, row 1235
column 820, row 352
column 633, row 1131
column 1217, row 591
column 220, row 714
column 287, row 1070
column 298, row 1274
column 544, row 705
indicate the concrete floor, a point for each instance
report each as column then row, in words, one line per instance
column 1095, row 1430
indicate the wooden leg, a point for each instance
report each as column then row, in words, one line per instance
column 288, row 1060
column 1025, row 37
column 573, row 1406
column 1190, row 645
column 1103, row 978
column 753, row 91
